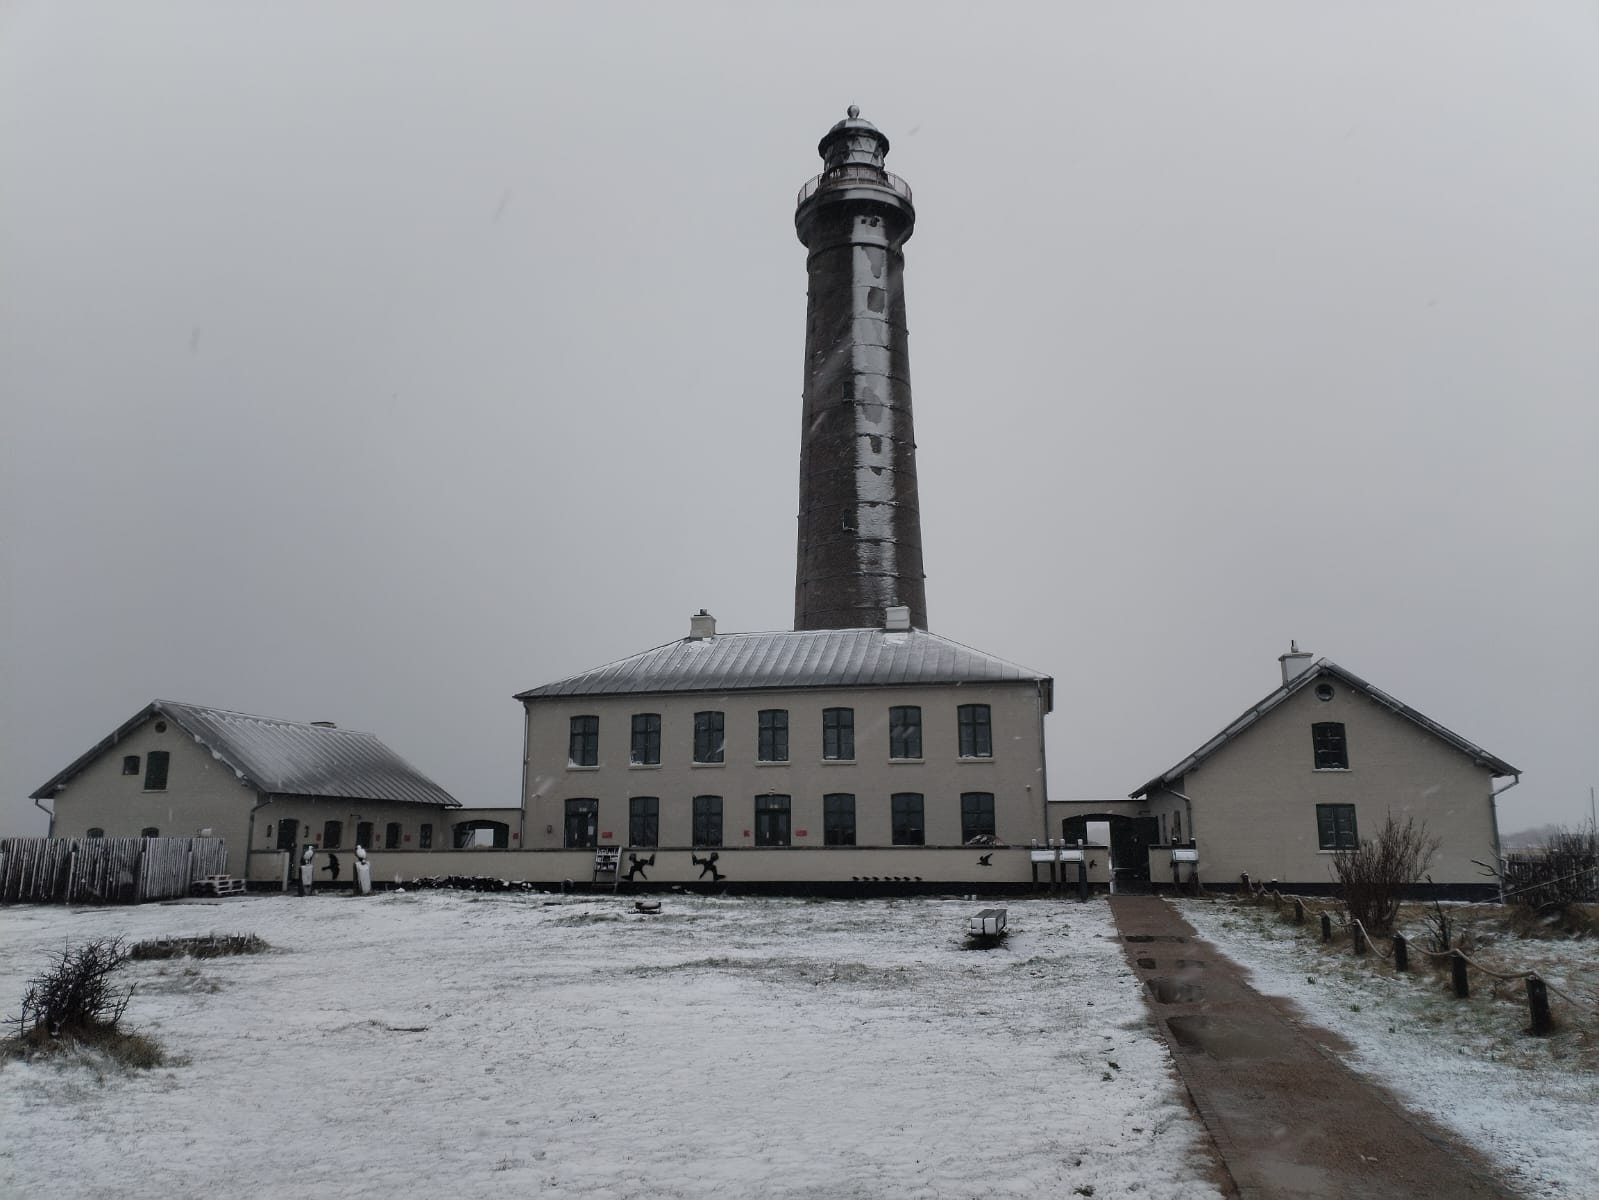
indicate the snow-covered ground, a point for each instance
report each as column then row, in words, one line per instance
column 457, row 1044
column 1530, row 1104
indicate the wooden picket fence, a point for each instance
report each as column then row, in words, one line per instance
column 105, row 870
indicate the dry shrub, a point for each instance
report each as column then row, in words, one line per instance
column 1374, row 875
column 76, row 1003
column 211, row 945
column 1564, row 871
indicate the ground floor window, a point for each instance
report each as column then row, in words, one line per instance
column 644, row 821
column 771, row 820
column 707, row 820
column 838, row 819
column 149, row 831
column 424, row 837
column 288, row 835
column 96, row 832
column 906, row 811
column 582, row 823
column 391, row 836
column 1335, row 827
column 977, row 815
column 363, row 834
column 332, row 834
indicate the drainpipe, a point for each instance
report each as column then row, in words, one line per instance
column 1493, row 813
column 1043, row 767
column 249, row 840
column 1189, row 805
column 51, row 831
column 521, row 843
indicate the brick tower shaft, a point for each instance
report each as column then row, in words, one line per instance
column 860, row 533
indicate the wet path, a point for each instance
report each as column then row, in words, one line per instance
column 1290, row 1121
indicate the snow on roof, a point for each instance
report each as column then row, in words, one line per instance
column 1324, row 667
column 292, row 758
column 818, row 658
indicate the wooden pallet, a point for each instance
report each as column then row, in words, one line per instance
column 219, row 885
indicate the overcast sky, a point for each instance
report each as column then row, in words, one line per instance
column 374, row 362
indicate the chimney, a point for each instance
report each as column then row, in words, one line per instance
column 897, row 619
column 1295, row 663
column 701, row 626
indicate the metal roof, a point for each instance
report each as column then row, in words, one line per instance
column 816, row 658
column 291, row 758
column 1321, row 668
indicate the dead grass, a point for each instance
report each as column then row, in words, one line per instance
column 210, row 945
column 122, row 1046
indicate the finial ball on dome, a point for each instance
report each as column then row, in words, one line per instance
column 854, row 111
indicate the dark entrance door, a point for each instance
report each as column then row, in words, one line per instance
column 288, row 836
column 1130, row 840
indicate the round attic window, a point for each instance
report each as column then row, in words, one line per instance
column 160, row 726
column 1324, row 691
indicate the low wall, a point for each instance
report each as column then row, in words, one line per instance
column 958, row 867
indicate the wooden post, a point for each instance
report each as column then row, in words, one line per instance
column 1538, row 1003
column 1299, row 911
column 1457, row 974
column 1243, row 882
column 1357, row 936
column 1401, row 953
column 1326, row 928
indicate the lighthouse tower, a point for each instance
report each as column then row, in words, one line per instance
column 860, row 528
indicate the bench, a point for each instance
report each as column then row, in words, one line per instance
column 990, row 923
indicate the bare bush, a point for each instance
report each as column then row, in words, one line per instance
column 211, row 945
column 1561, row 873
column 1373, row 876
column 77, row 1002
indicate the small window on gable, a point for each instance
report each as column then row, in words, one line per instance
column 149, row 831
column 155, row 771
column 130, row 764
column 1331, row 750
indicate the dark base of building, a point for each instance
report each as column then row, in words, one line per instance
column 1422, row 892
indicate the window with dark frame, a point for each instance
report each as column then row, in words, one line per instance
column 708, row 739
column 905, row 731
column 906, row 811
column 1335, row 827
column 838, row 733
column 975, row 725
column 977, row 815
column 707, row 829
column 772, row 739
column 149, row 831
column 391, row 836
column 583, row 747
column 1331, row 748
column 644, row 821
column 582, row 823
column 646, row 750
column 424, row 836
column 332, row 834
column 130, row 764
column 96, row 832
column 772, row 820
column 838, row 819
column 155, row 770
column 363, row 835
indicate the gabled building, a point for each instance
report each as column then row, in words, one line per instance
column 1315, row 766
column 805, row 757
column 262, row 785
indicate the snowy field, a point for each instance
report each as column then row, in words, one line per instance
column 1531, row 1104
column 456, row 1044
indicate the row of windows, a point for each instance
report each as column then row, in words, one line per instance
column 333, row 835
column 155, row 769
column 973, row 723
column 773, row 819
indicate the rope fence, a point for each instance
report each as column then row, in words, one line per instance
column 1361, row 940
